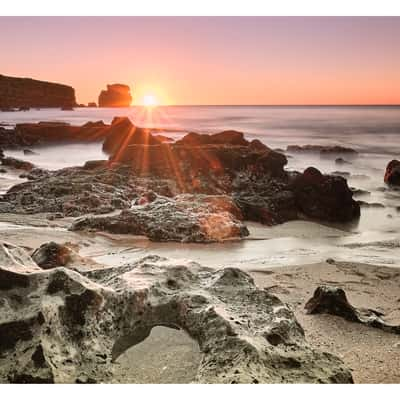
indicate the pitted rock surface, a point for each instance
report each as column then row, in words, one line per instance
column 60, row 326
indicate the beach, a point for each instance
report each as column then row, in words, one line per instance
column 288, row 260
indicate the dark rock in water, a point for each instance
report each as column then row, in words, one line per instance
column 56, row 133
column 17, row 164
column 392, row 174
column 116, row 95
column 3, row 171
column 24, row 93
column 123, row 134
column 185, row 218
column 29, row 152
column 333, row 300
column 67, row 108
column 246, row 335
column 341, row 161
column 92, row 105
column 324, row 197
column 24, row 109
column 230, row 137
column 326, row 151
column 51, row 255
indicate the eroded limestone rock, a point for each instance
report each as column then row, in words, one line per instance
column 63, row 327
column 184, row 218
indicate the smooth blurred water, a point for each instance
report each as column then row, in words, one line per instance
column 373, row 129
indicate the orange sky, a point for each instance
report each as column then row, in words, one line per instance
column 212, row 60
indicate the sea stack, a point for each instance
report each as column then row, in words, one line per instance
column 116, row 95
column 26, row 92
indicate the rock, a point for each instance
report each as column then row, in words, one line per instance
column 326, row 151
column 3, row 171
column 30, row 134
column 24, row 93
column 29, row 152
column 230, row 137
column 392, row 174
column 185, row 218
column 341, row 161
column 116, row 95
column 68, row 327
column 324, row 197
column 333, row 300
column 51, row 255
column 92, row 105
column 123, row 134
column 17, row 164
column 252, row 175
column 163, row 139
column 67, row 108
column 14, row 259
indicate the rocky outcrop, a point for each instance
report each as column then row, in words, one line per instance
column 249, row 172
column 116, row 95
column 25, row 93
column 333, row 300
column 123, row 133
column 324, row 197
column 59, row 326
column 392, row 173
column 185, row 218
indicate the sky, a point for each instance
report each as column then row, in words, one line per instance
column 211, row 60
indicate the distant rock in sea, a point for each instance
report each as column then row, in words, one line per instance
column 116, row 95
column 22, row 93
column 92, row 104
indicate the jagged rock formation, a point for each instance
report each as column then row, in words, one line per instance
column 185, row 218
column 392, row 173
column 25, row 93
column 222, row 164
column 59, row 326
column 333, row 300
column 116, row 95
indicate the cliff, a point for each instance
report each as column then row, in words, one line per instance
column 116, row 95
column 26, row 92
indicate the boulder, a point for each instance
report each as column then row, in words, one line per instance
column 392, row 173
column 51, row 255
column 123, row 133
column 230, row 137
column 116, row 95
column 324, row 197
column 60, row 326
column 17, row 164
column 185, row 218
column 333, row 300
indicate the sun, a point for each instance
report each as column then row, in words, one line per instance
column 150, row 100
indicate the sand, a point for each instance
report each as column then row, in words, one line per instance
column 372, row 355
